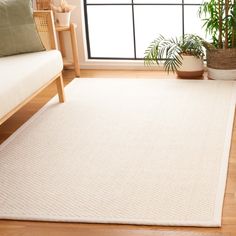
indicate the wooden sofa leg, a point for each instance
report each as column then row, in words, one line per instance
column 60, row 89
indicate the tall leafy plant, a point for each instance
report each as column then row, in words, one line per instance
column 219, row 18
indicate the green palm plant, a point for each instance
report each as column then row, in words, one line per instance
column 171, row 51
column 219, row 18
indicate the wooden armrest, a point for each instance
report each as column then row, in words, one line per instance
column 45, row 25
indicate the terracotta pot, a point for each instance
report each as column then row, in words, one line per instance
column 191, row 68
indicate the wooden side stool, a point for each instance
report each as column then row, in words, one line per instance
column 74, row 45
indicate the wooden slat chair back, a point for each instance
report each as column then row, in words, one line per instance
column 46, row 28
column 43, row 4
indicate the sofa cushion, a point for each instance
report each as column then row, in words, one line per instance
column 17, row 28
column 22, row 75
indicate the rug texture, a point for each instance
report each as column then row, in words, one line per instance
column 130, row 151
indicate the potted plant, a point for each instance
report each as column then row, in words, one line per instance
column 219, row 18
column 182, row 55
column 62, row 13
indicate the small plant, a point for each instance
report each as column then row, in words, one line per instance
column 172, row 50
column 63, row 7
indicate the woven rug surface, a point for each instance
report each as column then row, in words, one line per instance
column 129, row 151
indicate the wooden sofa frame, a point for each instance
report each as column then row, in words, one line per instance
column 46, row 29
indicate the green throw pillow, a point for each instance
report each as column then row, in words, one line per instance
column 18, row 32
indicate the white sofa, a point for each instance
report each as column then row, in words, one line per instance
column 24, row 76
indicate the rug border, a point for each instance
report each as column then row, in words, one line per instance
column 225, row 161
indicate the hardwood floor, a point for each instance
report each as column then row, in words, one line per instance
column 27, row 228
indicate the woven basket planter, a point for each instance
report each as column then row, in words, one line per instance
column 221, row 64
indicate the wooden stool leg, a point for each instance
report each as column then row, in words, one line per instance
column 60, row 89
column 62, row 44
column 75, row 50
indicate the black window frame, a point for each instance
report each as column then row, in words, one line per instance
column 132, row 4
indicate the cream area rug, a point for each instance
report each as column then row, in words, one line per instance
column 129, row 151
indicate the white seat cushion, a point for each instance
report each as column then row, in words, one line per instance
column 22, row 75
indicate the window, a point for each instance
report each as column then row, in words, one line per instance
column 122, row 29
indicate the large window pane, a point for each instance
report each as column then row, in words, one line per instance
column 193, row 23
column 114, row 27
column 110, row 31
column 151, row 21
column 193, row 1
column 107, row 1
column 158, row 1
